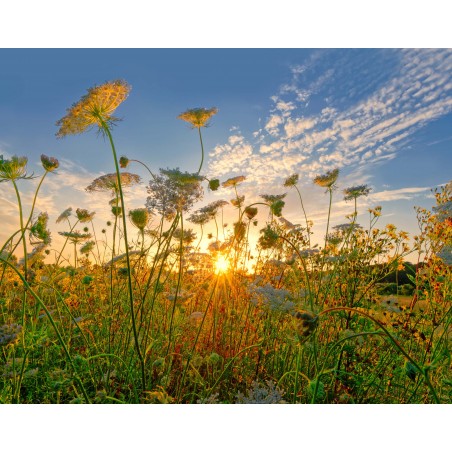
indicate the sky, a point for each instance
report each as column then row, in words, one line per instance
column 382, row 116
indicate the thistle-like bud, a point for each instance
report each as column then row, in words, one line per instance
column 124, row 161
column 307, row 322
column 49, row 163
column 139, row 218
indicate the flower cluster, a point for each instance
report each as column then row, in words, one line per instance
column 278, row 300
column 198, row 117
column 13, row 169
column 84, row 216
column 9, row 334
column 233, row 181
column 327, row 180
column 356, row 192
column 94, row 108
column 109, row 182
column 262, row 394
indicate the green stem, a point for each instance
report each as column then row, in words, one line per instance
column 132, row 311
column 202, row 150
column 24, row 241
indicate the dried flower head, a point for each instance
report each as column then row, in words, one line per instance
column 200, row 218
column 109, row 182
column 187, row 235
column 327, row 180
column 291, row 181
column 233, row 181
column 139, row 218
column 94, row 108
column 13, row 169
column 198, row 117
column 173, row 191
column 84, row 216
column 64, row 215
column 49, row 163
column 356, row 192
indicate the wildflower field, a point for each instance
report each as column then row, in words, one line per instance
column 141, row 313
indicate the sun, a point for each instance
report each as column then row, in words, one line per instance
column 221, row 264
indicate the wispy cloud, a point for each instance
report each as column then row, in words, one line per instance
column 340, row 131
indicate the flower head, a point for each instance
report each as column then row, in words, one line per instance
column 109, row 182
column 198, row 117
column 327, row 180
column 233, row 181
column 64, row 215
column 356, row 192
column 94, row 108
column 13, row 169
column 291, row 181
column 75, row 236
column 49, row 163
column 84, row 216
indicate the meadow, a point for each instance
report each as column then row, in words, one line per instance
column 149, row 317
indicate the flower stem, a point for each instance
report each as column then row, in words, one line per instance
column 132, row 311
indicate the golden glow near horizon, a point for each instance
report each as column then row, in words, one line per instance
column 221, row 264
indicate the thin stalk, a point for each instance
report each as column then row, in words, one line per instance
column 132, row 311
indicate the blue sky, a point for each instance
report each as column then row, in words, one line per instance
column 382, row 116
